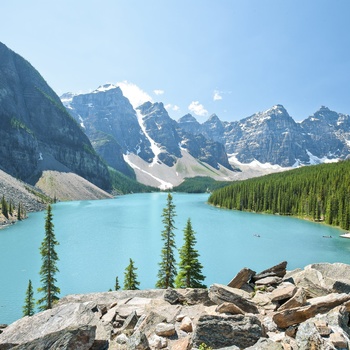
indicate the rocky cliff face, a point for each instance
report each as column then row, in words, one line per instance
column 36, row 131
column 274, row 309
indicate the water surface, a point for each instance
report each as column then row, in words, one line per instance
column 97, row 238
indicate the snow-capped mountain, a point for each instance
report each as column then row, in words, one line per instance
column 119, row 134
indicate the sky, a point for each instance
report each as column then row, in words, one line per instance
column 229, row 57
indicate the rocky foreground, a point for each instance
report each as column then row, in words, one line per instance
column 272, row 310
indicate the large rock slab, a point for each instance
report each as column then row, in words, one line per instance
column 298, row 300
column 66, row 316
column 223, row 331
column 289, row 317
column 220, row 294
column 266, row 344
column 278, row 270
column 284, row 291
column 67, row 339
column 242, row 277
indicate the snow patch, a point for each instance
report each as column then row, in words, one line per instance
column 163, row 184
column 255, row 163
column 154, row 147
column 104, row 88
column 315, row 160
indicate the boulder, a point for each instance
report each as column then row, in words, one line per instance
column 298, row 299
column 193, row 296
column 307, row 337
column 157, row 342
column 73, row 315
column 283, row 291
column 278, row 270
column 171, row 296
column 265, row 344
column 165, row 329
column 224, row 331
column 179, row 344
column 186, row 325
column 129, row 324
column 264, row 300
column 219, row 294
column 269, row 281
column 229, row 308
column 289, row 317
column 138, row 341
column 338, row 340
column 66, row 339
column 149, row 323
column 242, row 277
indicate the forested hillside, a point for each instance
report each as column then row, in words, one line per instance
column 319, row 193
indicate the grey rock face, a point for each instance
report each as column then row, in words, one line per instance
column 36, row 132
column 219, row 332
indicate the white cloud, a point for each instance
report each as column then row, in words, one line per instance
column 158, row 92
column 198, row 109
column 217, row 95
column 170, row 107
column 135, row 95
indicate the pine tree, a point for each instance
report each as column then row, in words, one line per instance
column 117, row 286
column 19, row 213
column 167, row 270
column 49, row 268
column 190, row 269
column 28, row 307
column 4, row 207
column 130, row 277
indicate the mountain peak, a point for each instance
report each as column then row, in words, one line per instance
column 188, row 118
column 105, row 87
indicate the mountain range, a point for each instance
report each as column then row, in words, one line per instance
column 94, row 134
column 148, row 136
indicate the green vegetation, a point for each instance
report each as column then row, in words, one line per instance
column 49, row 265
column 319, row 193
column 17, row 124
column 123, row 184
column 43, row 197
column 190, row 269
column 167, row 268
column 200, row 184
column 8, row 209
column 28, row 307
column 116, row 286
column 130, row 277
column 204, row 346
column 4, row 207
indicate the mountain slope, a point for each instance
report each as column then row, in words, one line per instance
column 37, row 133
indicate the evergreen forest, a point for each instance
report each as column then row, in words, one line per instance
column 320, row 193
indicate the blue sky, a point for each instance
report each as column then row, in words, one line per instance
column 229, row 57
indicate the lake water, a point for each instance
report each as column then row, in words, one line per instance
column 97, row 238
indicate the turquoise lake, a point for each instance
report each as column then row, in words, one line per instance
column 97, row 238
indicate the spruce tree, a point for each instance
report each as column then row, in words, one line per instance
column 190, row 269
column 117, row 286
column 167, row 266
column 19, row 213
column 130, row 277
column 28, row 307
column 4, row 207
column 49, row 265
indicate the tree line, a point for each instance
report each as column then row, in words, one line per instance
column 188, row 275
column 9, row 209
column 320, row 193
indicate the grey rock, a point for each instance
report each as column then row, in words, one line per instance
column 165, row 329
column 66, row 316
column 269, row 281
column 171, row 296
column 289, row 317
column 278, row 270
column 193, row 296
column 186, row 325
column 121, row 338
column 265, row 344
column 219, row 294
column 67, row 339
column 229, row 308
column 283, row 291
column 219, row 331
column 138, row 341
column 242, row 277
column 307, row 337
column 298, row 299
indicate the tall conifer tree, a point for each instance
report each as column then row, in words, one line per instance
column 117, row 286
column 49, row 265
column 130, row 277
column 167, row 266
column 190, row 269
column 28, row 307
